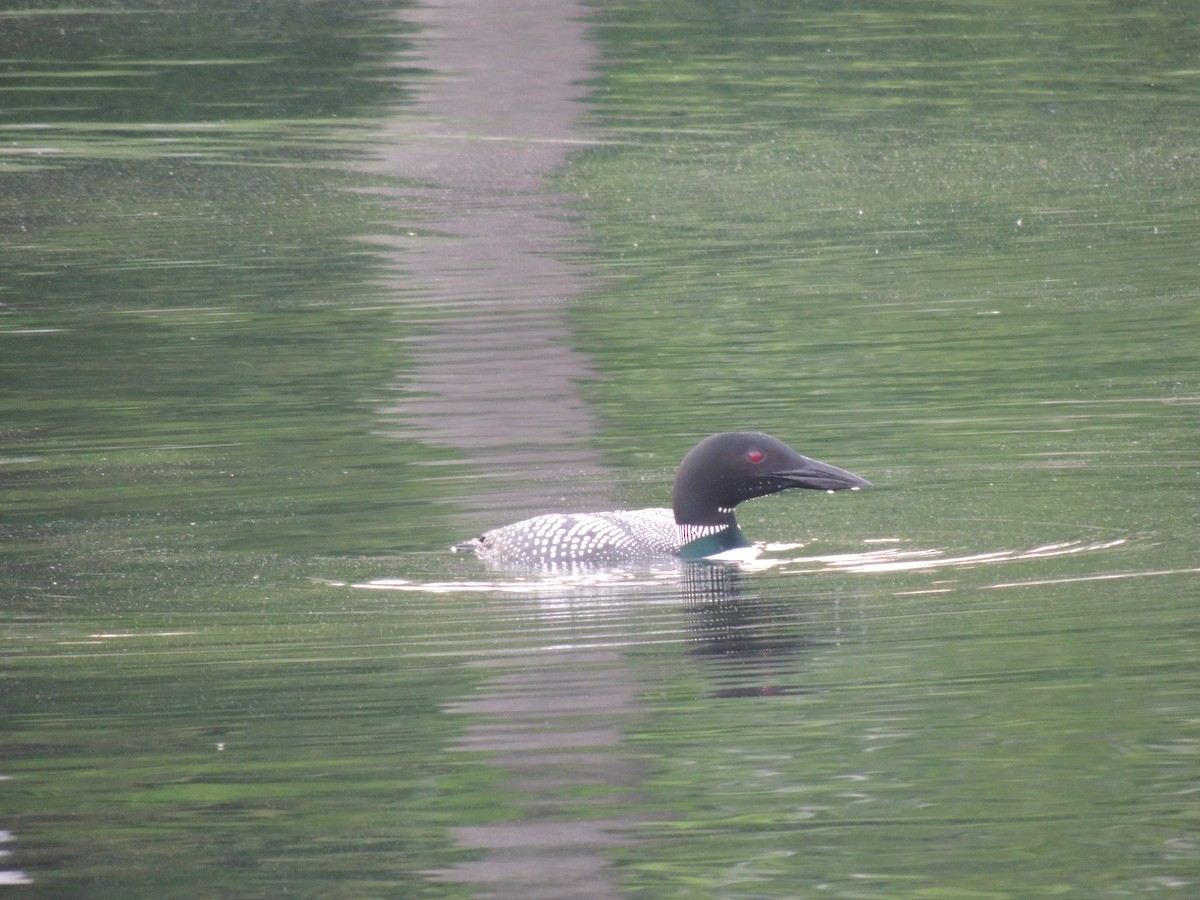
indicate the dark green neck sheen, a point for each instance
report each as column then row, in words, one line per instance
column 730, row 538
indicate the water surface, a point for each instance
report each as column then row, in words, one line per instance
column 294, row 297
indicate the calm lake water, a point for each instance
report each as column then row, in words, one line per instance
column 294, row 297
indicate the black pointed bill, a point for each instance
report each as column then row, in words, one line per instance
column 818, row 476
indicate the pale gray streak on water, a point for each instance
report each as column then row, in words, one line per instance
column 490, row 375
column 553, row 716
column 491, row 378
column 551, row 723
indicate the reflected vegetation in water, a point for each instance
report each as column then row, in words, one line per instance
column 295, row 295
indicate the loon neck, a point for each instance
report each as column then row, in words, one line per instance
column 699, row 541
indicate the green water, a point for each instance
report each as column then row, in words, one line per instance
column 266, row 279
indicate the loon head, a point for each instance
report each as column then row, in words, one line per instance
column 725, row 469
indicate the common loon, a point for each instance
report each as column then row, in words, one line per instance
column 715, row 476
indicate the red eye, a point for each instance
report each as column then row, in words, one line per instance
column 755, row 456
